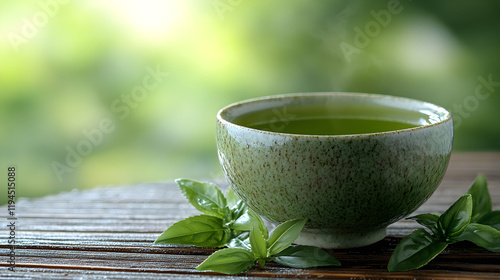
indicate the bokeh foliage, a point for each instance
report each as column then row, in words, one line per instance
column 62, row 73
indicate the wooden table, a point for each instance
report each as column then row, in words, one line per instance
column 108, row 232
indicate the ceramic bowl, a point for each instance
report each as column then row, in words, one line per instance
column 349, row 187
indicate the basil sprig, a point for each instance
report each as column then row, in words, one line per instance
column 263, row 248
column 470, row 218
column 225, row 218
column 227, row 221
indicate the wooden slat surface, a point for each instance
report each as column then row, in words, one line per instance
column 108, row 232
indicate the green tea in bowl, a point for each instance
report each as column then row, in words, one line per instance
column 321, row 120
column 350, row 163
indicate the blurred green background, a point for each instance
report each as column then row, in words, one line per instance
column 70, row 69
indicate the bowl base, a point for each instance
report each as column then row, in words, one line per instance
column 329, row 239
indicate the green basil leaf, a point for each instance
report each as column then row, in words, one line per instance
column 481, row 200
column 241, row 241
column 483, row 236
column 231, row 198
column 201, row 231
column 284, row 235
column 258, row 242
column 255, row 218
column 243, row 223
column 204, row 196
column 229, row 261
column 238, row 210
column 304, row 257
column 454, row 221
column 415, row 251
column 491, row 219
column 428, row 220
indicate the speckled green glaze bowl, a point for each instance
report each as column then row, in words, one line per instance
column 349, row 187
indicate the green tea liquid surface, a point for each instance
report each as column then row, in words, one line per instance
column 320, row 120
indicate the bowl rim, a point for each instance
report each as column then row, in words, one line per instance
column 447, row 115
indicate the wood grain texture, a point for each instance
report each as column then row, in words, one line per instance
column 108, row 232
